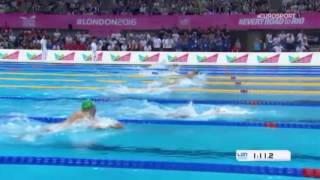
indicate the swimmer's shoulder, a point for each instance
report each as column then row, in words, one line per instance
column 77, row 116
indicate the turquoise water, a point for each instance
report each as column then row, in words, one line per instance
column 129, row 100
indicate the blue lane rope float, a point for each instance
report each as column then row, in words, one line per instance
column 161, row 165
column 268, row 124
column 171, row 101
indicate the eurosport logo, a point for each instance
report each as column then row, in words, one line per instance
column 276, row 15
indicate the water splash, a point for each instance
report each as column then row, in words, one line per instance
column 150, row 89
column 20, row 128
column 19, row 125
column 155, row 73
column 160, row 65
column 188, row 111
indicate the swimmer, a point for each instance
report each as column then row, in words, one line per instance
column 190, row 114
column 174, row 68
column 192, row 74
column 87, row 113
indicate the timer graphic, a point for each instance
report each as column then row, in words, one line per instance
column 263, row 155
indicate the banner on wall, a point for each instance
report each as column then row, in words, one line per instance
column 179, row 58
column 106, row 24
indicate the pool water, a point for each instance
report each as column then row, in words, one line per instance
column 138, row 93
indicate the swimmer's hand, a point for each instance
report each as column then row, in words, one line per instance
column 117, row 126
column 98, row 125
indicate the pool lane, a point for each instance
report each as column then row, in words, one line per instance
column 210, row 147
column 216, row 70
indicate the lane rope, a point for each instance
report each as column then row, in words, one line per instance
column 161, row 165
column 266, row 124
column 238, row 83
column 171, row 101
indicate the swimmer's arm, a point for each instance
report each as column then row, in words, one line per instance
column 96, row 125
column 117, row 126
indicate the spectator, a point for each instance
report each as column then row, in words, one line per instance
column 94, row 49
column 80, row 46
column 168, row 43
column 157, row 43
column 278, row 48
column 290, row 40
column 44, row 52
column 237, row 46
column 257, row 45
column 269, row 42
column 57, row 34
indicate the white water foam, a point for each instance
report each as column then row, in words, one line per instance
column 23, row 129
column 152, row 89
column 189, row 112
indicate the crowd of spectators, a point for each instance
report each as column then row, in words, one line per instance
column 155, row 7
column 283, row 42
column 52, row 6
column 30, row 39
column 166, row 40
column 189, row 7
column 210, row 40
column 300, row 5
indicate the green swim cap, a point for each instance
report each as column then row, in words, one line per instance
column 87, row 105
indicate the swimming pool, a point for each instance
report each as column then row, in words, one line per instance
column 226, row 108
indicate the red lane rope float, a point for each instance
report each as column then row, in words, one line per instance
column 271, row 125
column 311, row 173
column 253, row 103
column 244, row 91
